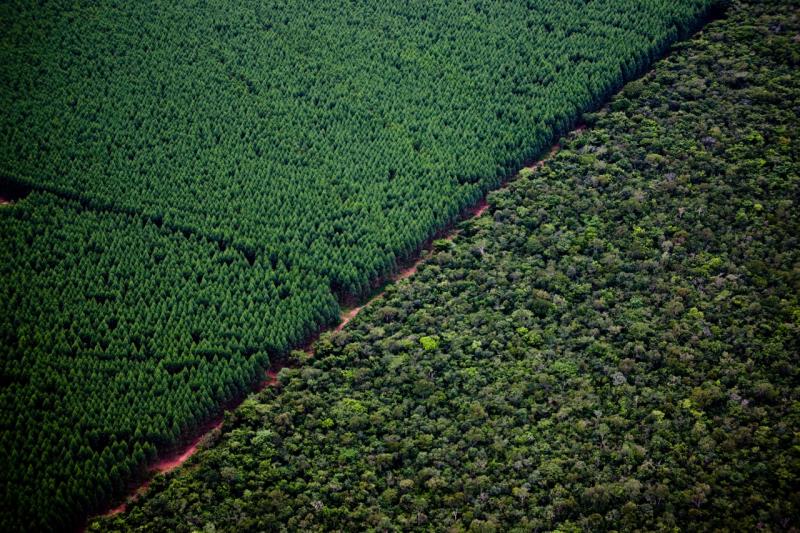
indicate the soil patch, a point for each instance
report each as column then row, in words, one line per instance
column 348, row 315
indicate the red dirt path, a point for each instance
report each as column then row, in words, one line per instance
column 175, row 459
column 347, row 316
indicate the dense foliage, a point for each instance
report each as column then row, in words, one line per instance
column 323, row 136
column 208, row 177
column 117, row 337
column 614, row 346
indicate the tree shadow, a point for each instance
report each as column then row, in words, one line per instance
column 11, row 193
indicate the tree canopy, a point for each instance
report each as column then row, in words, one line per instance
column 209, row 177
column 613, row 346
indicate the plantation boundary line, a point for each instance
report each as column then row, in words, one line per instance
column 208, row 431
column 350, row 305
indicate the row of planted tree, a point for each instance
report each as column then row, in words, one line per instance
column 209, row 179
column 613, row 346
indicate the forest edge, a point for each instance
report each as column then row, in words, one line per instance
column 350, row 305
column 206, row 433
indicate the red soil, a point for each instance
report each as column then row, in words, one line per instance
column 478, row 209
column 474, row 211
column 272, row 378
column 553, row 151
column 173, row 460
column 347, row 316
column 135, row 495
column 408, row 271
column 118, row 509
column 170, row 461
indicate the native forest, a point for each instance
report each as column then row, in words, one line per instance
column 412, row 265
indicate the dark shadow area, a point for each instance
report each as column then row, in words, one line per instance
column 11, row 193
